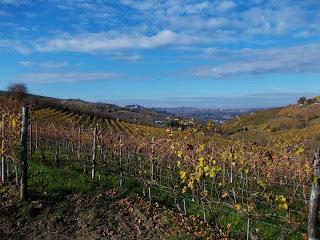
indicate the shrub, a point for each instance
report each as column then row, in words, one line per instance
column 18, row 90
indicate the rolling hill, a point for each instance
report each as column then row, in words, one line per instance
column 98, row 110
column 295, row 122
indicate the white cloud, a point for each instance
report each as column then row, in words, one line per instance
column 304, row 58
column 271, row 21
column 129, row 58
column 225, row 5
column 197, row 7
column 11, row 2
column 47, row 64
column 140, row 5
column 26, row 63
column 150, row 24
column 104, row 42
column 65, row 77
column 12, row 44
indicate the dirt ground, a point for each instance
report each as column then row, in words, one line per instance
column 108, row 215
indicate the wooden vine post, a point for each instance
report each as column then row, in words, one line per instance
column 23, row 153
column 36, row 143
column 30, row 139
column 93, row 173
column 152, row 159
column 79, row 145
column 314, row 199
column 3, row 157
column 120, row 163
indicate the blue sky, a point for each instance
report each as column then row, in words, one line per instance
column 226, row 53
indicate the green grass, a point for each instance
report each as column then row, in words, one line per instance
column 55, row 182
column 50, row 182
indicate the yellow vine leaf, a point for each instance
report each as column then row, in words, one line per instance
column 190, row 184
column 201, row 162
column 200, row 148
column 299, row 150
column 183, row 175
column 14, row 123
column 283, row 206
column 184, row 189
column 237, row 206
column 212, row 172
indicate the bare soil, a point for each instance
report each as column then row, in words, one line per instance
column 107, row 215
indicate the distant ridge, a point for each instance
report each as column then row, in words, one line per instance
column 139, row 115
column 304, row 114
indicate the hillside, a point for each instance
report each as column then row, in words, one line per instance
column 98, row 110
column 67, row 156
column 297, row 121
column 290, row 117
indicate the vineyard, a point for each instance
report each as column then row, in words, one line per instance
column 251, row 188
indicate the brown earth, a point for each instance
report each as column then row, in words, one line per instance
column 108, row 215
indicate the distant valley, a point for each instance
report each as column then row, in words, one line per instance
column 204, row 115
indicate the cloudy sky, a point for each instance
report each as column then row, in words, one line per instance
column 217, row 53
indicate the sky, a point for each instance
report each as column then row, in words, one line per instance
column 163, row 53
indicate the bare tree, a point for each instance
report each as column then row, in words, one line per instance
column 18, row 90
column 302, row 100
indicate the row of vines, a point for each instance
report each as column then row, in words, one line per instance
column 269, row 182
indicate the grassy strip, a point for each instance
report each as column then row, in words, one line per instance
column 52, row 182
